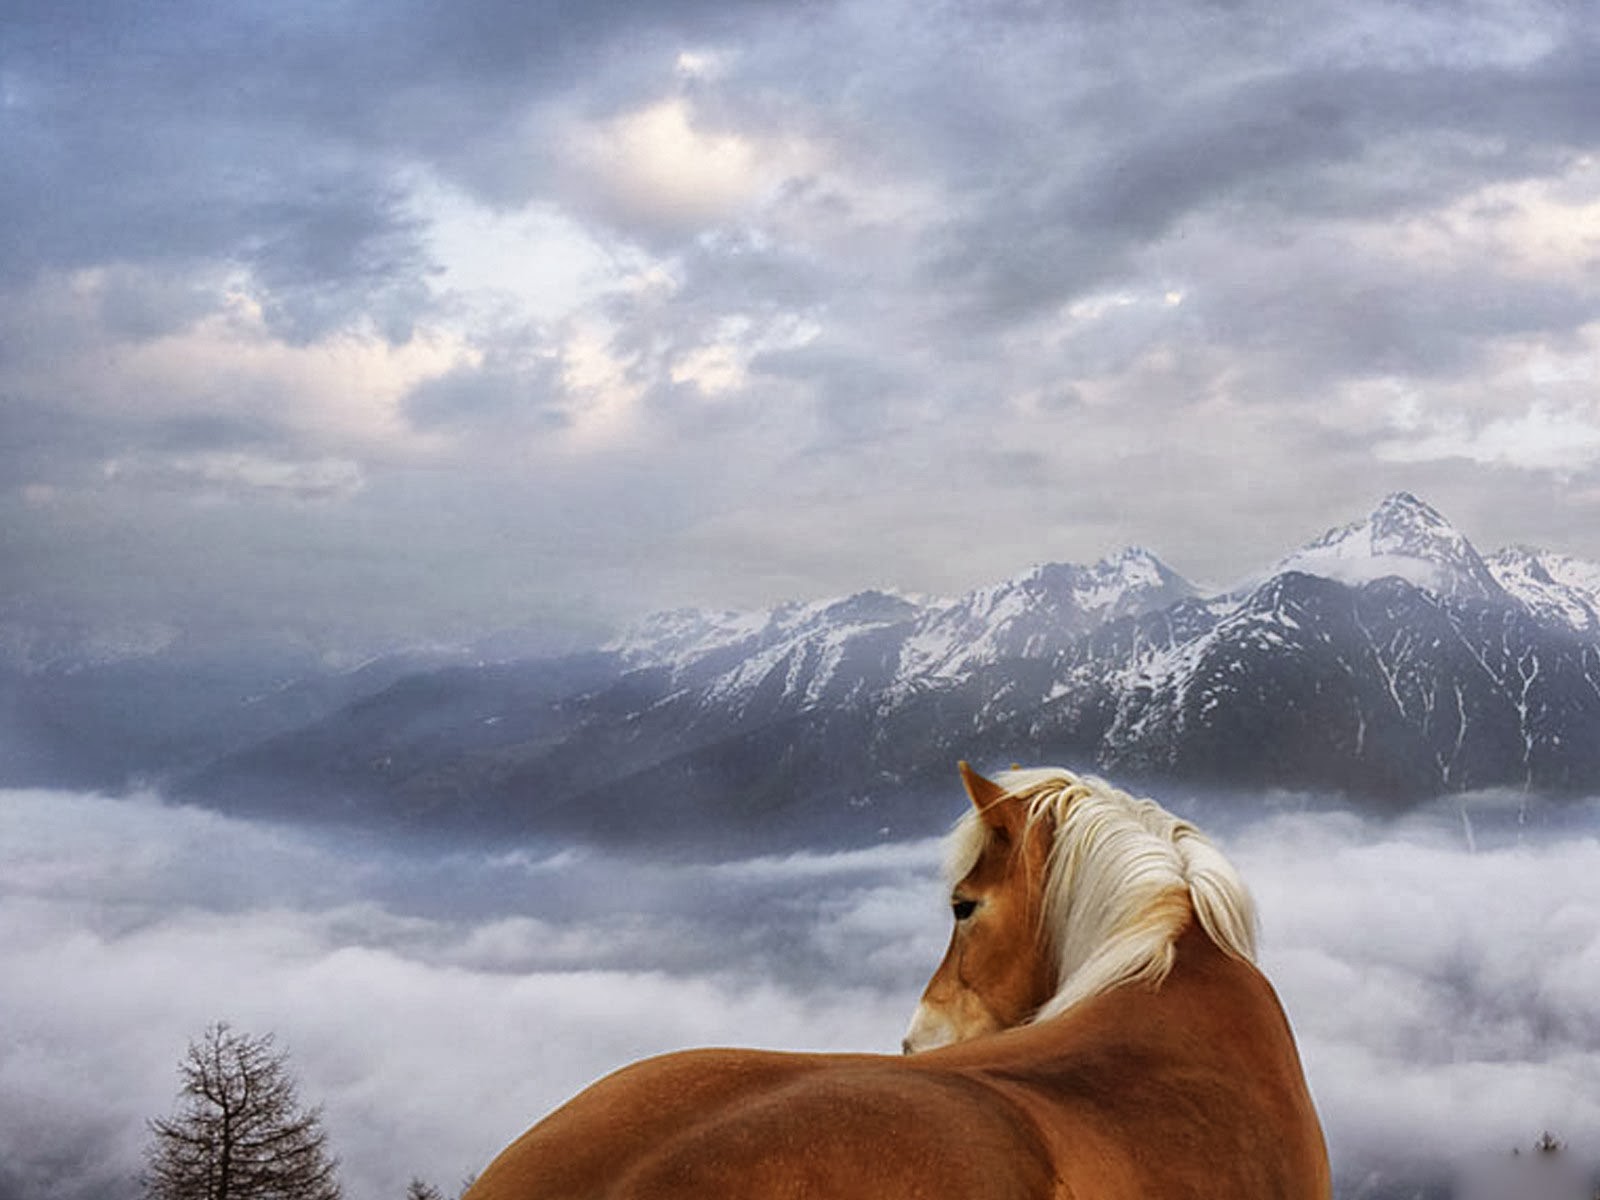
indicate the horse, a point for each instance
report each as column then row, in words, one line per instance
column 1096, row 1031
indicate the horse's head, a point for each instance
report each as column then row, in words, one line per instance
column 998, row 970
column 1064, row 888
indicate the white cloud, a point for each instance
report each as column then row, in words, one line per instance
column 437, row 1004
column 656, row 160
column 337, row 399
column 127, row 926
column 535, row 261
column 1546, row 227
column 667, row 166
column 701, row 64
column 1442, row 997
column 1543, row 437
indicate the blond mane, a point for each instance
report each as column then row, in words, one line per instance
column 1123, row 877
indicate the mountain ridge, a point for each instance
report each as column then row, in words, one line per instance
column 1386, row 661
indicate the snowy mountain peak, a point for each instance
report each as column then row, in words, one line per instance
column 1556, row 588
column 863, row 608
column 1129, row 581
column 1132, row 581
column 1402, row 523
column 1036, row 614
column 1402, row 537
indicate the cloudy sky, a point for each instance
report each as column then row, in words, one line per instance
column 415, row 319
column 437, row 1003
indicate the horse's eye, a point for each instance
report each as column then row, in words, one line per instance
column 963, row 908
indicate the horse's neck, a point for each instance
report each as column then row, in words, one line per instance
column 1208, row 999
column 1207, row 990
column 1207, row 1054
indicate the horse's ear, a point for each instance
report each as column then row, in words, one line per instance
column 989, row 798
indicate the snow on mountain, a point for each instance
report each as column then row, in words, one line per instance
column 884, row 641
column 1385, row 659
column 1557, row 589
column 808, row 651
column 1163, row 682
column 682, row 635
column 1034, row 614
column 1403, row 537
column 682, row 639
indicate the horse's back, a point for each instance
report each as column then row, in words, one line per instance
column 739, row 1123
column 1193, row 1089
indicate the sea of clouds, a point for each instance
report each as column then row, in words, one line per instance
column 1441, row 977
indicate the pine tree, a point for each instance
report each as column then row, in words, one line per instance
column 239, row 1133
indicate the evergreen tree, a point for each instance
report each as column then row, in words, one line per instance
column 239, row 1132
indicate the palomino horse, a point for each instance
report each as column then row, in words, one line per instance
column 1096, row 1031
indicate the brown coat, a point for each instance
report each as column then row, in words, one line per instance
column 1190, row 1089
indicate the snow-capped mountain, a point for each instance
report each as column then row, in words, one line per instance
column 1034, row 615
column 1386, row 659
column 1405, row 538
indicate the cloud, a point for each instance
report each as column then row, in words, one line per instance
column 764, row 273
column 1441, row 996
column 654, row 165
column 446, row 997
column 1539, row 439
column 231, row 473
column 130, row 926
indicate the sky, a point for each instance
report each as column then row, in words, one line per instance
column 437, row 1002
column 406, row 321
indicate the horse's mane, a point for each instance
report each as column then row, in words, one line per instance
column 1123, row 877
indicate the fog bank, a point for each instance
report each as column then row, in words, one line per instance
column 436, row 1002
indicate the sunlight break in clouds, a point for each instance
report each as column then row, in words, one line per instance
column 658, row 164
column 1544, row 228
column 537, row 262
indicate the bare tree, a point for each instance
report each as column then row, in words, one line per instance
column 239, row 1132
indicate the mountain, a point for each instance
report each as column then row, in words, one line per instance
column 95, row 712
column 1386, row 661
column 1404, row 538
column 693, row 719
column 1033, row 616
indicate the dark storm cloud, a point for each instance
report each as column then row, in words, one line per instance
column 1125, row 168
column 268, row 138
column 270, row 132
